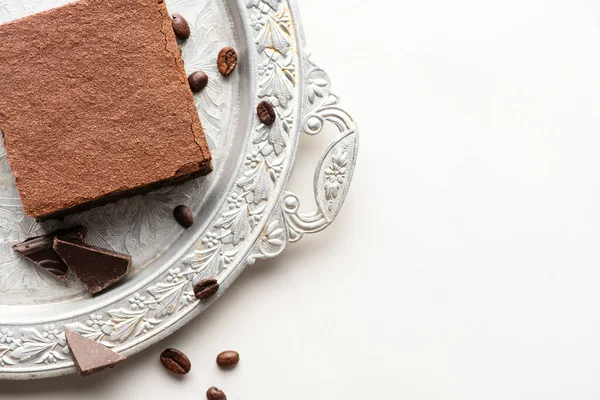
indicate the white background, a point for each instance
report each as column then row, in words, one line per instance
column 465, row 263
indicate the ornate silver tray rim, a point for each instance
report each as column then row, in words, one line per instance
column 256, row 219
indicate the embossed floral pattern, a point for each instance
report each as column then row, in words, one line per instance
column 336, row 174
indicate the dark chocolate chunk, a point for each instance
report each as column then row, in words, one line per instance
column 266, row 112
column 198, row 81
column 184, row 216
column 206, row 288
column 40, row 250
column 96, row 268
column 180, row 26
column 90, row 356
column 227, row 60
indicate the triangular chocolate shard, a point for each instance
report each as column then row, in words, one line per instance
column 40, row 250
column 89, row 355
column 96, row 268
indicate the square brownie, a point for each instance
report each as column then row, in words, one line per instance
column 95, row 105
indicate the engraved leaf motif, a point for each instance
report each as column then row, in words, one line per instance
column 136, row 218
column 7, row 344
column 92, row 329
column 271, row 139
column 272, row 242
column 262, row 4
column 88, row 332
column 274, row 234
column 98, row 229
column 278, row 85
column 315, row 89
column 125, row 323
column 31, row 349
column 5, row 358
column 209, row 261
column 34, row 344
column 272, row 36
column 169, row 296
column 131, row 223
column 235, row 223
column 256, row 184
column 147, row 210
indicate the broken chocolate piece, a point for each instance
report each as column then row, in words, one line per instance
column 40, row 250
column 90, row 356
column 96, row 268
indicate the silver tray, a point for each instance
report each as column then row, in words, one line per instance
column 243, row 211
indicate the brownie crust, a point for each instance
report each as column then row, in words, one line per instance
column 95, row 105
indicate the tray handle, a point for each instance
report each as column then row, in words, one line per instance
column 332, row 176
column 335, row 169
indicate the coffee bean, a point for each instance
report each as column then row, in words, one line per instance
column 206, row 288
column 215, row 394
column 180, row 26
column 184, row 216
column 198, row 81
column 228, row 359
column 175, row 361
column 266, row 112
column 227, row 61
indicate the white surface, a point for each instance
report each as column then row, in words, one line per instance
column 465, row 264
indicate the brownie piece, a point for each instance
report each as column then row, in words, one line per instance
column 95, row 105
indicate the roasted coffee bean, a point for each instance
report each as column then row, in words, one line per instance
column 228, row 359
column 266, row 112
column 206, row 288
column 175, row 361
column 184, row 216
column 227, row 61
column 180, row 26
column 198, row 81
column 215, row 394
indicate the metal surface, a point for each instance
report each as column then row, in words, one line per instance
column 243, row 211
